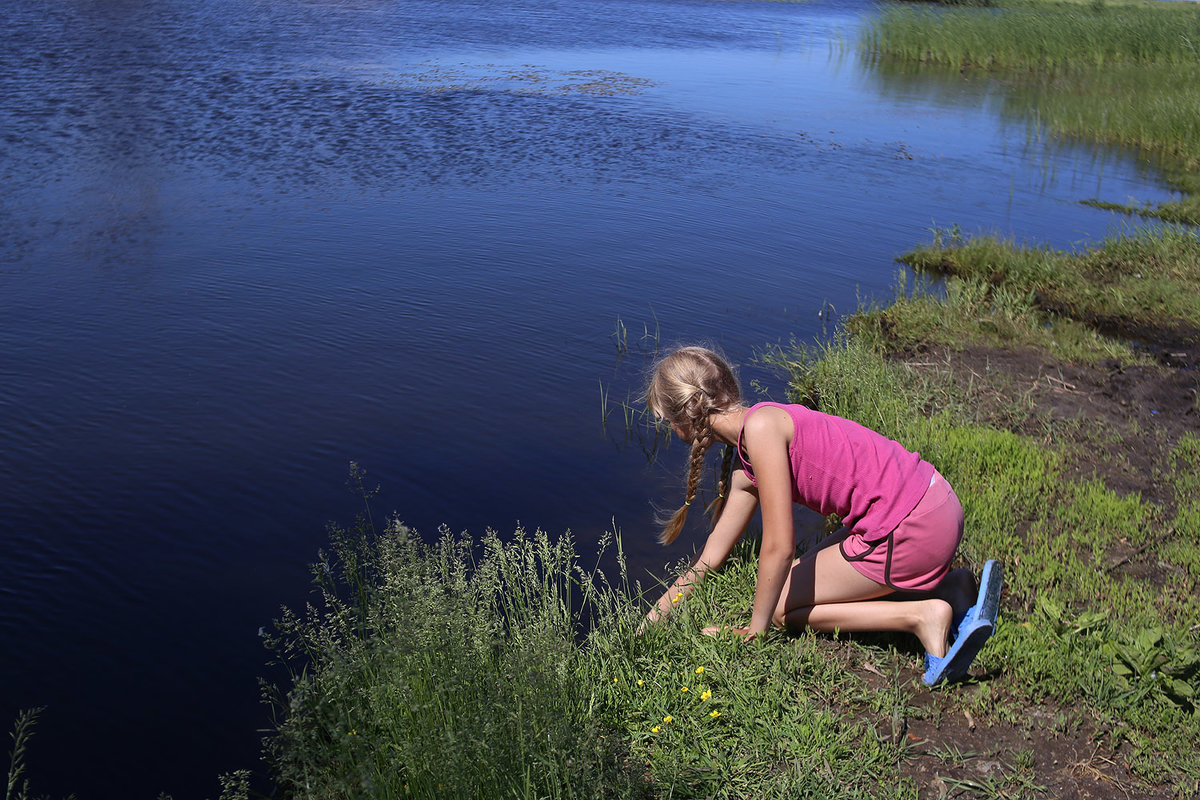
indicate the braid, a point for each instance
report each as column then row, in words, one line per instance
column 700, row 444
column 718, row 505
column 687, row 386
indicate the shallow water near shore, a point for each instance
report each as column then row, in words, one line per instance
column 243, row 244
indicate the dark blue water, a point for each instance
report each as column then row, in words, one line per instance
column 245, row 242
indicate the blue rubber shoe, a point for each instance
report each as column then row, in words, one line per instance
column 958, row 660
column 987, row 604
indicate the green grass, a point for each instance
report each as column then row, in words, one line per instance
column 1041, row 37
column 463, row 669
column 17, row 786
column 445, row 670
column 1055, row 299
column 1125, row 75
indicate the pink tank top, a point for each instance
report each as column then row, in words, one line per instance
column 841, row 467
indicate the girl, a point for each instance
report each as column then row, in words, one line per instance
column 890, row 569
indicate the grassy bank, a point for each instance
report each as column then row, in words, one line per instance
column 1118, row 74
column 510, row 669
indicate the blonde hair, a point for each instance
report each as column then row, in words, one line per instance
column 688, row 385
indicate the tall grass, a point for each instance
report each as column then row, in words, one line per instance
column 440, row 671
column 1152, row 108
column 1043, row 37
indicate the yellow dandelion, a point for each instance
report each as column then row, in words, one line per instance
column 699, row 670
column 668, row 719
column 706, row 694
column 655, row 729
column 677, row 598
column 683, row 688
column 715, row 714
column 614, row 680
column 641, row 682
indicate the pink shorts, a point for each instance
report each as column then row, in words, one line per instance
column 917, row 554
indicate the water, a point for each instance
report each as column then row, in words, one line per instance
column 245, row 242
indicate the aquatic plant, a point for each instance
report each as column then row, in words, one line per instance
column 16, row 788
column 1039, row 37
column 1126, row 75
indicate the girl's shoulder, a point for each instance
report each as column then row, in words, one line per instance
column 776, row 411
column 765, row 421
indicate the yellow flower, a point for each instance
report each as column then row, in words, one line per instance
column 677, row 598
column 707, row 694
column 715, row 714
column 668, row 718
column 614, row 680
column 641, row 682
column 683, row 688
column 699, row 670
column 655, row 729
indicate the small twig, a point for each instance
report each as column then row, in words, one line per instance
column 1070, row 387
column 1142, row 549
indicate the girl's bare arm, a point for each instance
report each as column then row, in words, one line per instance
column 767, row 438
column 739, row 509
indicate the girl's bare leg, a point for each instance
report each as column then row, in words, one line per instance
column 826, row 593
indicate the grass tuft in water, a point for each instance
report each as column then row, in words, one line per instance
column 17, row 788
column 1116, row 74
column 1040, row 37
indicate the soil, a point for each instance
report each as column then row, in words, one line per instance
column 1123, row 420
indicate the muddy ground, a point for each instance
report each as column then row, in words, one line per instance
column 1124, row 420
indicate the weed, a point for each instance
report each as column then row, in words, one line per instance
column 18, row 789
column 393, row 695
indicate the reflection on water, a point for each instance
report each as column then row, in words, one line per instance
column 242, row 244
column 1022, row 104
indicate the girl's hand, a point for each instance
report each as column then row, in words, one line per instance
column 719, row 630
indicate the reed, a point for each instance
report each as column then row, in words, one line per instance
column 1126, row 75
column 17, row 786
column 1040, row 37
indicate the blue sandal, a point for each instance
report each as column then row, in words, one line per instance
column 971, row 632
column 987, row 604
column 957, row 661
